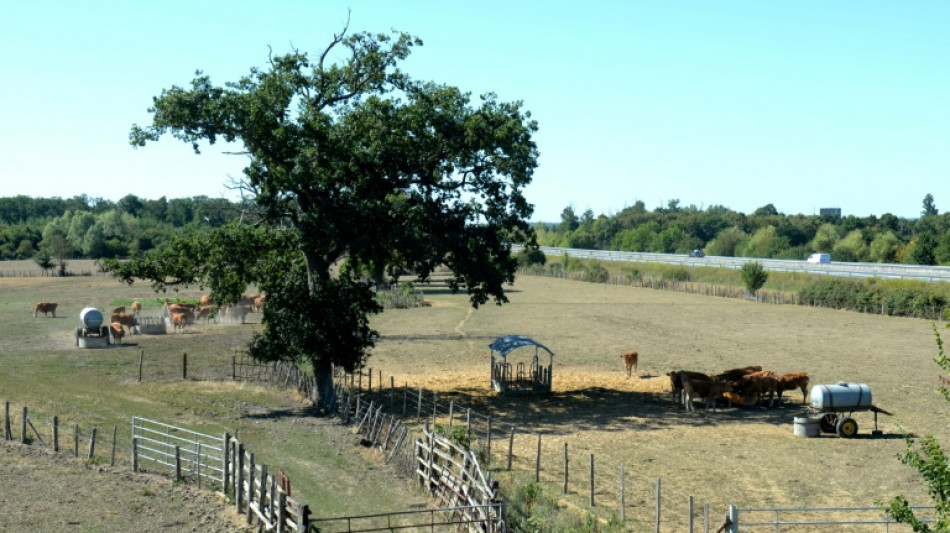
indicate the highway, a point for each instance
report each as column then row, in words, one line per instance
column 850, row 270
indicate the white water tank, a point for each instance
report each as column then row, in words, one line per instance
column 91, row 317
column 841, row 396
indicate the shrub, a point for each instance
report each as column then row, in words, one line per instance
column 594, row 272
column 679, row 273
column 754, row 275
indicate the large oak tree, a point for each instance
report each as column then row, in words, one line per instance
column 359, row 172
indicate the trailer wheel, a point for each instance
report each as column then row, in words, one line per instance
column 846, row 428
column 828, row 422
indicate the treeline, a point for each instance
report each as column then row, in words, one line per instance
column 85, row 227
column 766, row 233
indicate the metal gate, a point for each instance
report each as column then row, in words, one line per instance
column 168, row 446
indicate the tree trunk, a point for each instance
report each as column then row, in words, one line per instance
column 324, row 394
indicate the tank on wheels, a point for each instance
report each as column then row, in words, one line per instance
column 92, row 333
column 836, row 404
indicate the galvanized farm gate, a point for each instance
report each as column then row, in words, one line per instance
column 817, row 518
column 177, row 448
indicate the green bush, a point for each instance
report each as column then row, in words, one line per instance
column 594, row 272
column 532, row 510
column 754, row 275
column 679, row 273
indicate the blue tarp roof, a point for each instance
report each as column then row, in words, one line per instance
column 507, row 343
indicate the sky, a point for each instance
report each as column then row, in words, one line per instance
column 802, row 105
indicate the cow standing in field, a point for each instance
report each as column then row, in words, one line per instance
column 136, row 308
column 759, row 384
column 117, row 333
column 124, row 320
column 792, row 381
column 180, row 320
column 119, row 310
column 259, row 303
column 45, row 308
column 630, row 361
column 708, row 387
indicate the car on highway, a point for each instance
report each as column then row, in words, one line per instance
column 697, row 253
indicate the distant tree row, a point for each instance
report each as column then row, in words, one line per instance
column 766, row 233
column 84, row 227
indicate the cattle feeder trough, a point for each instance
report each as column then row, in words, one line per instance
column 150, row 325
column 520, row 379
column 835, row 405
column 92, row 333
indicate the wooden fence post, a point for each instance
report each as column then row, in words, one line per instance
column 705, row 517
column 303, row 517
column 177, row 463
column 419, row 407
column 8, row 435
column 451, row 411
column 623, row 503
column 511, row 445
column 405, row 397
column 92, row 444
column 565, row 468
column 435, row 408
column 76, row 441
column 23, row 427
column 141, row 362
column 262, row 494
column 689, row 504
column 115, row 430
column 657, row 505
column 281, row 511
column 239, row 477
column 184, row 366
column 370, row 387
column 56, row 434
column 591, row 480
column 468, row 423
column 135, row 454
column 537, row 465
column 225, row 460
column 488, row 438
column 392, row 390
column 233, row 368
column 250, row 487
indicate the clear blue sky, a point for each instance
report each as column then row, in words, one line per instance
column 802, row 104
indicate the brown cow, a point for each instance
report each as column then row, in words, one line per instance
column 180, row 320
column 205, row 300
column 136, row 308
column 119, row 310
column 630, row 361
column 792, row 381
column 259, row 302
column 45, row 308
column 125, row 320
column 758, row 384
column 117, row 333
column 676, row 382
column 708, row 387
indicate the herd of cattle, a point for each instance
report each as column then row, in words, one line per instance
column 747, row 386
column 179, row 314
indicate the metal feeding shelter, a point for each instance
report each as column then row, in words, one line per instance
column 520, row 378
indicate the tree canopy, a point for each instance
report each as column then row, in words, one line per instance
column 359, row 172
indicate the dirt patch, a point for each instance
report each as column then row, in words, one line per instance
column 58, row 493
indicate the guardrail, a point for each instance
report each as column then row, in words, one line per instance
column 842, row 269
